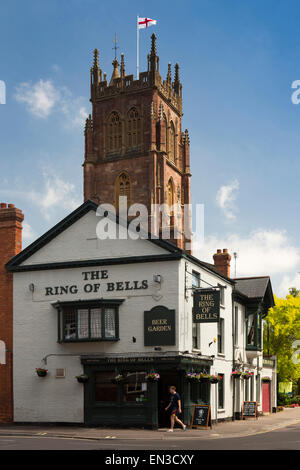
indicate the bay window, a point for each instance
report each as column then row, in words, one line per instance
column 88, row 321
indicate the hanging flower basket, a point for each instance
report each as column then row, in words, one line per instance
column 41, row 372
column 192, row 377
column 118, row 379
column 83, row 378
column 266, row 379
column 236, row 374
column 247, row 375
column 214, row 379
column 152, row 377
column 204, row 377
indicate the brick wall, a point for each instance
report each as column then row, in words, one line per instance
column 10, row 244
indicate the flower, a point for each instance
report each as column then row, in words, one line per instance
column 236, row 373
column 152, row 376
column 247, row 374
column 216, row 377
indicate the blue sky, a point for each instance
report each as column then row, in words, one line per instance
column 237, row 61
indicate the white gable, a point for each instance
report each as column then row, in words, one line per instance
column 80, row 242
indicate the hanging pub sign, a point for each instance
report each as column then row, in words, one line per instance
column 206, row 307
column 159, row 327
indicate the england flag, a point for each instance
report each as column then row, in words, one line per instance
column 145, row 22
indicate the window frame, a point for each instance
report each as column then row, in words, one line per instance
column 63, row 308
column 222, row 295
column 221, row 337
column 196, row 326
column 257, row 323
column 221, row 392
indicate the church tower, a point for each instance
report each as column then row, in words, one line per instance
column 134, row 145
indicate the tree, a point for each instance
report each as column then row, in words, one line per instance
column 294, row 292
column 282, row 337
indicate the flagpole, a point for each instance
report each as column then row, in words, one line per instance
column 137, row 47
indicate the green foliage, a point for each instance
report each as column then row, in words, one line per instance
column 281, row 330
column 294, row 292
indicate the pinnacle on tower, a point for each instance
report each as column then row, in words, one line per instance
column 123, row 74
column 169, row 74
column 116, row 73
column 153, row 45
column 96, row 59
column 176, row 84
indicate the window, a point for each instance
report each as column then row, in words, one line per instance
column 90, row 322
column 222, row 294
column 221, row 392
column 196, row 326
column 195, row 279
column 196, row 335
column 253, row 328
column 123, row 188
column 170, row 193
column 172, row 143
column 135, row 388
column 105, row 390
column 258, row 385
column 133, row 129
column 236, row 325
column 221, row 336
column 114, row 133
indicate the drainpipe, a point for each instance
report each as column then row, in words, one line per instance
column 233, row 354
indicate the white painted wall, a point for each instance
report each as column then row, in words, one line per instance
column 35, row 335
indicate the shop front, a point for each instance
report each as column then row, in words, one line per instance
column 120, row 392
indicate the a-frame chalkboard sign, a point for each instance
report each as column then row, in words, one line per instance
column 249, row 409
column 201, row 417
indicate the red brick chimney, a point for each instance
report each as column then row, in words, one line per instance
column 11, row 220
column 222, row 262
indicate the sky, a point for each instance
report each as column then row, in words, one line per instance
column 238, row 60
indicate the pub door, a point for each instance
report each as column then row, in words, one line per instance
column 266, row 397
column 166, row 379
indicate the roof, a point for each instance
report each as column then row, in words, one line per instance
column 255, row 288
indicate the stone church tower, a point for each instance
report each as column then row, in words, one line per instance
column 134, row 144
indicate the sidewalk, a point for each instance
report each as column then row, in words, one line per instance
column 244, row 428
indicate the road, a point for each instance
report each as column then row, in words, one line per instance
column 283, row 439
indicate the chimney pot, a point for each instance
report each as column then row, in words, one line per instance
column 11, row 205
column 3, row 205
column 222, row 262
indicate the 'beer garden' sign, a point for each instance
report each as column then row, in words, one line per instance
column 206, row 306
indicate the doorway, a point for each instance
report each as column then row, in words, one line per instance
column 266, row 397
column 163, row 395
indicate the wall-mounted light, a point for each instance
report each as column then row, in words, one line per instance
column 133, row 339
column 157, row 348
column 31, row 287
column 157, row 278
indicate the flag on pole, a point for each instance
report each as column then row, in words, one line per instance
column 145, row 22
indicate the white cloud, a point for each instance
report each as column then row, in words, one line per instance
column 262, row 252
column 39, row 98
column 43, row 99
column 28, row 233
column 57, row 193
column 287, row 282
column 226, row 196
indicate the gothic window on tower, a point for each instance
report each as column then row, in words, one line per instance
column 171, row 199
column 114, row 133
column 123, row 188
column 133, row 129
column 172, row 143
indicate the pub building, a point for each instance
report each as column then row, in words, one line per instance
column 100, row 315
